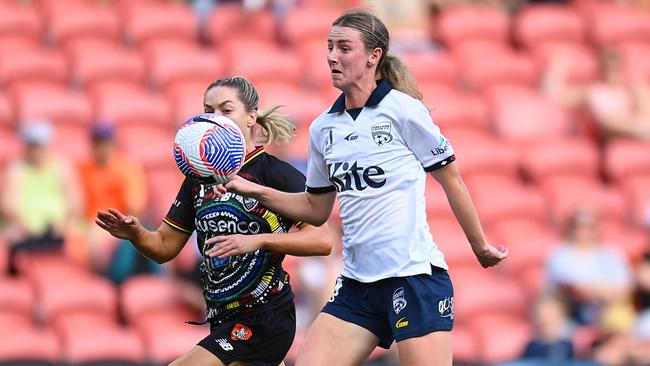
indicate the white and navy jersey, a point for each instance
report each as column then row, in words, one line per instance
column 376, row 158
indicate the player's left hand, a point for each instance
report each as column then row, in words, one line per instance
column 235, row 244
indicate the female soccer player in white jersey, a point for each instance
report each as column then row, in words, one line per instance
column 374, row 147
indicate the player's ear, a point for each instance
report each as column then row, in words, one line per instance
column 375, row 56
column 252, row 118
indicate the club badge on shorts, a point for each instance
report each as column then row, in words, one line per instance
column 241, row 332
column 381, row 133
column 399, row 301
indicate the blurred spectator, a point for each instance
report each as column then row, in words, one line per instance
column 552, row 340
column 108, row 180
column 596, row 280
column 40, row 196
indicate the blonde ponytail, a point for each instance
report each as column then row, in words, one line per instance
column 393, row 69
column 275, row 127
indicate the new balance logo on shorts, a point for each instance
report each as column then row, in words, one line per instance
column 224, row 344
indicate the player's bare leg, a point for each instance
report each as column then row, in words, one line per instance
column 433, row 349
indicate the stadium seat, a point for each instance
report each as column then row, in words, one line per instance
column 7, row 121
column 156, row 153
column 165, row 65
column 95, row 60
column 451, row 240
column 316, row 73
column 166, row 341
column 71, row 20
column 565, row 194
column 563, row 157
column 470, row 148
column 506, row 67
column 471, row 22
column 635, row 188
column 61, row 145
column 147, row 294
column 580, row 61
column 28, row 64
column 80, row 295
column 453, row 108
column 432, row 67
column 302, row 106
column 161, row 196
column 20, row 20
column 4, row 248
column 635, row 57
column 185, row 99
column 541, row 23
column 502, row 336
column 278, row 64
column 615, row 24
column 59, row 105
column 147, row 21
column 299, row 145
column 88, row 338
column 13, row 320
column 630, row 242
column 521, row 115
column 626, row 157
column 529, row 242
column 250, row 25
column 130, row 105
column 306, row 23
column 465, row 346
column 16, row 295
column 29, row 345
column 493, row 203
column 436, row 201
column 481, row 292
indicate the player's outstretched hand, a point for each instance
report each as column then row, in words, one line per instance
column 239, row 185
column 490, row 256
column 229, row 245
column 118, row 225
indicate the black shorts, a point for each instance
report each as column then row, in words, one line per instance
column 260, row 340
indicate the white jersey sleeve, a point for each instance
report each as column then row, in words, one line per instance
column 424, row 138
column 317, row 176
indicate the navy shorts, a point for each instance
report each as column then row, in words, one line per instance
column 396, row 308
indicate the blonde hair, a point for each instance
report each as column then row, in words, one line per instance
column 275, row 126
column 375, row 34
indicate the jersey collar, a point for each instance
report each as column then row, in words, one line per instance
column 377, row 95
column 253, row 154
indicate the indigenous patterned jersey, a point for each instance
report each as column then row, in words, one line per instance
column 243, row 283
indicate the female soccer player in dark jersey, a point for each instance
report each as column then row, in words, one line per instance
column 247, row 292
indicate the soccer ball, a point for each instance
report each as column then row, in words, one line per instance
column 209, row 148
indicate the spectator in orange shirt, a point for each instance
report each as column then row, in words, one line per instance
column 108, row 180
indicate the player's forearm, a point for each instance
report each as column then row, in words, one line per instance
column 308, row 241
column 465, row 212
column 296, row 206
column 151, row 244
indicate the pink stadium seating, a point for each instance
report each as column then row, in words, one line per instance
column 436, row 202
column 256, row 25
column 432, row 67
column 470, row 148
column 33, row 65
column 60, row 105
column 630, row 242
column 277, row 65
column 453, row 108
column 29, row 344
column 635, row 188
column 635, row 57
column 492, row 202
column 100, row 60
column 465, row 346
column 626, row 157
column 61, row 145
column 470, row 22
column 13, row 320
column 449, row 237
column 4, row 251
column 529, row 242
column 82, row 20
column 16, row 296
column 537, row 24
column 167, row 340
column 130, row 105
column 309, row 23
column 147, row 294
column 300, row 142
column 196, row 64
column 303, row 107
column 156, row 153
column 79, row 295
column 161, row 196
column 614, row 24
column 20, row 20
column 521, row 116
column 147, row 21
column 316, row 73
column 10, row 147
column 185, row 99
column 565, row 194
column 89, row 338
column 506, row 67
column 502, row 336
column 479, row 292
column 563, row 157
column 7, row 121
column 580, row 61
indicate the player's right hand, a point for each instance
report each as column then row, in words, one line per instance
column 490, row 256
column 240, row 186
column 118, row 225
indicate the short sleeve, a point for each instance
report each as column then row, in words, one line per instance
column 426, row 141
column 181, row 213
column 286, row 178
column 317, row 177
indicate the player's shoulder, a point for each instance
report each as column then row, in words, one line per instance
column 276, row 165
column 321, row 121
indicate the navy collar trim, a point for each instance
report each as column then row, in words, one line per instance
column 377, row 95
